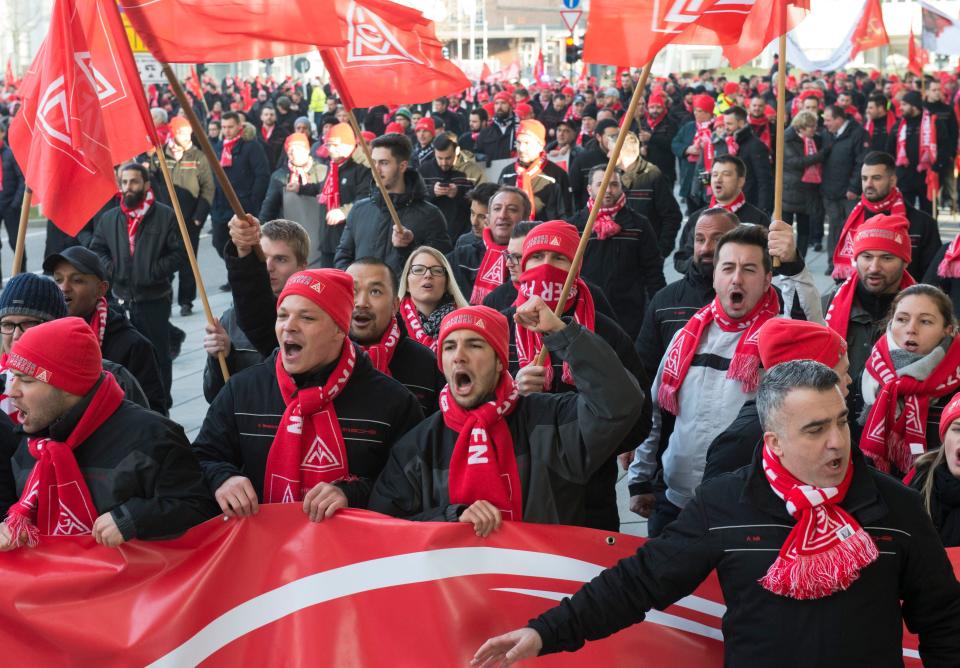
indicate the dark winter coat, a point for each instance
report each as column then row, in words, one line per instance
column 455, row 210
column 797, row 195
column 746, row 213
column 651, row 195
column 841, row 169
column 242, row 355
column 552, row 199
column 944, row 502
column 949, row 285
column 124, row 344
column 758, row 187
column 249, row 175
column 11, row 195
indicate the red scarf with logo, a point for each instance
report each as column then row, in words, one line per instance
column 811, row 173
column 704, row 139
column 826, row 548
column 761, row 128
column 900, row 440
column 843, row 259
column 732, row 146
column 838, row 314
column 546, row 282
column 732, row 206
column 330, row 195
column 135, row 217
column 98, row 319
column 226, row 154
column 525, row 177
column 411, row 317
column 890, row 121
column 493, row 269
column 381, row 354
column 299, row 174
column 927, row 143
column 309, row 447
column 483, row 465
column 606, row 225
column 949, row 267
column 745, row 365
column 56, row 500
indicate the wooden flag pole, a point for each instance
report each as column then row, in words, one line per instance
column 20, row 247
column 598, row 200
column 781, row 119
column 373, row 169
column 191, row 256
column 201, row 135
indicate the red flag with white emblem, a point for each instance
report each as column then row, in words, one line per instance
column 392, row 56
column 59, row 137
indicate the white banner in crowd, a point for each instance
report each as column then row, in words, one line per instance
column 941, row 34
column 836, row 60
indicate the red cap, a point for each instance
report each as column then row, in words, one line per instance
column 567, row 90
column 369, row 136
column 889, row 234
column 393, row 127
column 296, row 138
column 784, row 340
column 503, row 96
column 342, row 133
column 330, row 289
column 703, row 102
column 524, row 111
column 426, row 123
column 533, row 128
column 178, row 122
column 64, row 353
column 656, row 98
column 554, row 235
column 485, row 321
column 950, row 413
column 731, row 88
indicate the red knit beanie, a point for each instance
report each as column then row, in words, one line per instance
column 703, row 102
column 342, row 133
column 393, row 128
column 330, row 289
column 503, row 96
column 296, row 138
column 524, row 112
column 534, row 128
column 783, row 340
column 554, row 235
column 177, row 123
column 887, row 234
column 485, row 321
column 64, row 353
column 950, row 413
column 656, row 98
column 426, row 123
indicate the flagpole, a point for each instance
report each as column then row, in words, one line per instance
column 781, row 119
column 191, row 256
column 201, row 136
column 394, row 216
column 22, row 232
column 598, row 199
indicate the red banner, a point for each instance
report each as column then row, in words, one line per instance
column 359, row 590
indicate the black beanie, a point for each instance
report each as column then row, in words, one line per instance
column 34, row 296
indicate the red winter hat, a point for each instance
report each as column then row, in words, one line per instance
column 731, row 88
column 330, row 289
column 370, row 136
column 534, row 128
column 889, row 234
column 558, row 236
column 567, row 90
column 703, row 102
column 178, row 122
column 296, row 138
column 64, row 353
column 393, row 127
column 656, row 98
column 950, row 413
column 342, row 133
column 485, row 321
column 524, row 111
column 783, row 340
column 426, row 123
column 503, row 96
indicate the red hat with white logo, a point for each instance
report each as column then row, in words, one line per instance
column 426, row 123
column 887, row 234
column 64, row 353
column 485, row 321
column 330, row 289
column 558, row 236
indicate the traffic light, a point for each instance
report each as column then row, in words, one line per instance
column 573, row 51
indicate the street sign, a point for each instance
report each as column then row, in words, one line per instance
column 571, row 17
column 571, row 4
column 301, row 65
column 151, row 72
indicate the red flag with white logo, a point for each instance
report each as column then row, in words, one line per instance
column 59, row 137
column 392, row 56
column 763, row 22
column 226, row 31
column 916, row 57
column 870, row 31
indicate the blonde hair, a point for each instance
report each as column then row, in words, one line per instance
column 452, row 288
column 929, row 461
column 804, row 119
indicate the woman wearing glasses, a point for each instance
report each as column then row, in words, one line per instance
column 427, row 294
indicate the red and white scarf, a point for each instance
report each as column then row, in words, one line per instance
column 493, row 269
column 98, row 319
column 606, row 226
column 838, row 314
column 843, row 260
column 654, row 121
column 927, row 143
column 135, row 217
column 761, row 128
column 381, row 354
column 226, row 154
column 411, row 317
column 525, row 178
column 483, row 465
column 732, row 146
column 704, row 139
column 826, row 548
column 949, row 267
column 890, row 121
column 299, row 174
column 732, row 206
column 330, row 195
column 265, row 132
column 811, row 173
column 309, row 447
column 546, row 282
column 888, row 439
column 56, row 500
column 745, row 365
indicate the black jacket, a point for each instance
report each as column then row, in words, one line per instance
column 559, row 441
column 495, row 142
column 627, row 266
column 946, row 132
column 249, row 175
column 659, row 151
column 736, row 525
column 11, row 195
column 273, row 147
column 139, row 467
column 272, row 207
column 242, row 422
column 909, row 180
column 797, row 195
column 551, row 191
column 456, row 210
column 878, row 140
column 465, row 259
column 124, row 344
column 580, row 170
column 949, row 285
column 735, row 447
column 158, row 253
column 841, row 169
column 241, row 356
column 368, row 229
column 651, row 195
column 10, row 438
column 944, row 501
column 758, row 188
column 746, row 213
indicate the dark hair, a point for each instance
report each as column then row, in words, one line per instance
column 782, row 379
column 728, row 159
column 737, row 112
column 746, row 235
column 878, row 99
column 482, row 192
column 935, row 294
column 136, row 167
column 214, row 121
column 835, row 110
column 523, row 228
column 481, row 114
column 398, row 145
column 229, row 116
column 371, row 261
column 600, row 168
column 444, row 142
column 731, row 217
column 874, row 158
column 527, row 204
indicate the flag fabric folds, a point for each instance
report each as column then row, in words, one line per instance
column 765, row 21
column 870, row 31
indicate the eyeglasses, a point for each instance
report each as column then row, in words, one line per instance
column 512, row 258
column 422, row 269
column 11, row 327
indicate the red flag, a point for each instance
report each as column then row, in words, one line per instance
column 916, row 57
column 485, row 72
column 200, row 31
column 392, row 56
column 765, row 21
column 538, row 69
column 193, row 83
column 59, row 138
column 870, row 31
column 9, row 79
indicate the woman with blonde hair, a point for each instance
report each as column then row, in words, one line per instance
column 937, row 477
column 427, row 293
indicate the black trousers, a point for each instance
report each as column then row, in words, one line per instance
column 804, row 232
column 152, row 319
column 11, row 221
column 187, row 286
column 664, row 512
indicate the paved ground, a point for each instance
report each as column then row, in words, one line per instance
column 189, row 405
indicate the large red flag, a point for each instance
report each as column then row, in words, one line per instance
column 59, row 138
column 765, row 21
column 916, row 57
column 870, row 32
column 219, row 31
column 392, row 56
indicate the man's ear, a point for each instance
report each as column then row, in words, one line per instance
column 772, row 441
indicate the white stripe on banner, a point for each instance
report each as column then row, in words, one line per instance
column 836, row 60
